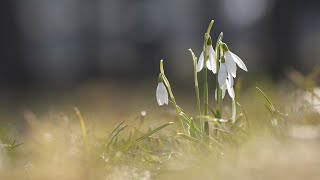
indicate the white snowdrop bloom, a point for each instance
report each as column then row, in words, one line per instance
column 228, row 70
column 162, row 94
column 230, row 91
column 229, row 84
column 223, row 93
column 210, row 63
column 232, row 60
column 222, row 75
column 225, row 81
column 200, row 62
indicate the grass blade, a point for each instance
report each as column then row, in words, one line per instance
column 115, row 136
column 113, row 131
column 152, row 132
column 189, row 138
column 83, row 128
column 268, row 100
column 144, row 136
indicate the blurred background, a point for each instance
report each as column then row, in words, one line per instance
column 56, row 45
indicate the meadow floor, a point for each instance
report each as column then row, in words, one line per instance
column 103, row 132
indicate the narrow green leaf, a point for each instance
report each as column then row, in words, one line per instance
column 192, row 128
column 144, row 136
column 185, row 118
column 189, row 138
column 268, row 100
column 152, row 132
column 113, row 131
column 115, row 136
column 244, row 112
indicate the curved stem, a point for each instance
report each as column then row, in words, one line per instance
column 205, row 100
column 166, row 82
column 210, row 26
column 205, row 77
column 218, row 89
column 205, row 83
column 196, row 87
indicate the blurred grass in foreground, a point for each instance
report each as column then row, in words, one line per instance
column 118, row 132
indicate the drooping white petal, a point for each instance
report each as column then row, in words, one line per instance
column 230, row 89
column 162, row 94
column 231, row 92
column 239, row 62
column 213, row 65
column 212, row 59
column 223, row 90
column 215, row 94
column 222, row 75
column 230, row 79
column 208, row 64
column 230, row 64
column 234, row 111
column 200, row 62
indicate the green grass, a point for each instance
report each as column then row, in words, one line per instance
column 263, row 143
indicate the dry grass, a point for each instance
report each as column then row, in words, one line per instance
column 56, row 146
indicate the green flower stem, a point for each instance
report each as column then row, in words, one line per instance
column 166, row 82
column 196, row 86
column 219, row 91
column 205, row 78
column 210, row 26
column 205, row 99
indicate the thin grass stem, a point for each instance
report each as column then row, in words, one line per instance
column 166, row 81
column 83, row 128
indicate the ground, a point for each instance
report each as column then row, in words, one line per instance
column 100, row 131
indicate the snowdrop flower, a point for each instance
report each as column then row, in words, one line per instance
column 228, row 69
column 225, row 81
column 210, row 63
column 231, row 61
column 223, row 93
column 162, row 94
